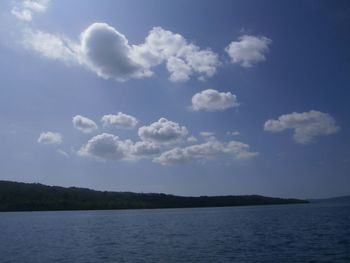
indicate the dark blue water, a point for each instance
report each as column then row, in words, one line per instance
column 288, row 233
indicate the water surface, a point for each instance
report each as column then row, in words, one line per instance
column 280, row 233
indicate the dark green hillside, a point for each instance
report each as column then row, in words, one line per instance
column 37, row 197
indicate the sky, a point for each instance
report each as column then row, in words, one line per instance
column 182, row 97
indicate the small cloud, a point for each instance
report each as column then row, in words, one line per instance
column 120, row 120
column 24, row 10
column 233, row 133
column 306, row 125
column 84, row 124
column 50, row 138
column 192, row 139
column 248, row 50
column 213, row 100
column 206, row 134
column 163, row 131
column 63, row 153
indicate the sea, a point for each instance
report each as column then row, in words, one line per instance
column 279, row 233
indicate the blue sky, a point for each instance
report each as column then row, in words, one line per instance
column 181, row 97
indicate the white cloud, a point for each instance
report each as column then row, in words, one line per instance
column 248, row 50
column 183, row 59
column 50, row 138
column 192, row 139
column 206, row 151
column 163, row 131
column 120, row 120
column 233, row 133
column 213, row 100
column 107, row 147
column 84, row 124
column 63, row 153
column 24, row 15
column 306, row 125
column 144, row 149
column 206, row 134
column 24, row 10
column 105, row 51
column 51, row 46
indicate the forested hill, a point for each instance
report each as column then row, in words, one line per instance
column 16, row 196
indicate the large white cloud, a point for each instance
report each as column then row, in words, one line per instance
column 306, row 125
column 163, row 131
column 213, row 100
column 84, row 124
column 105, row 51
column 50, row 138
column 248, row 50
column 24, row 10
column 206, row 151
column 120, row 120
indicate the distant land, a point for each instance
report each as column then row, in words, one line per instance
column 15, row 196
column 335, row 200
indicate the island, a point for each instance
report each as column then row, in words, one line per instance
column 16, row 196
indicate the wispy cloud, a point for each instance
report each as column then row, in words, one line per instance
column 206, row 151
column 306, row 125
column 25, row 9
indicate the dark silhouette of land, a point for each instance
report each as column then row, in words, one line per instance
column 16, row 196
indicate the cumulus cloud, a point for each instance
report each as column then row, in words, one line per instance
column 182, row 59
column 306, row 125
column 106, row 146
column 84, row 124
column 144, row 149
column 24, row 10
column 248, row 50
column 120, row 120
column 107, row 52
column 206, row 151
column 213, row 100
column 50, row 138
column 163, row 131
